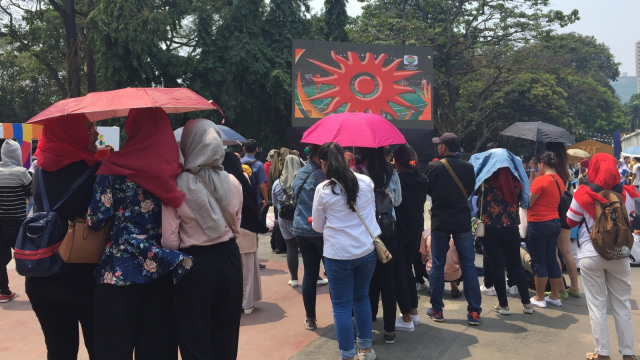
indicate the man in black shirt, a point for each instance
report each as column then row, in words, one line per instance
column 450, row 183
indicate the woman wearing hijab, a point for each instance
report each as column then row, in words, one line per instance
column 133, row 295
column 66, row 149
column 16, row 188
column 283, row 188
column 208, row 300
column 607, row 283
column 247, row 239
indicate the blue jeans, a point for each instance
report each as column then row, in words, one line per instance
column 349, row 287
column 466, row 252
column 543, row 245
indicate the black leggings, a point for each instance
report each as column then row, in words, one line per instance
column 292, row 257
column 383, row 283
column 406, row 250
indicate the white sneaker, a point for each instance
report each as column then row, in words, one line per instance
column 538, row 303
column 555, row 302
column 366, row 356
column 249, row 310
column 293, row 283
column 512, row 290
column 421, row 287
column 416, row 320
column 404, row 326
column 322, row 282
column 490, row 291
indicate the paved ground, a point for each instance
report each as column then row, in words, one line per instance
column 276, row 331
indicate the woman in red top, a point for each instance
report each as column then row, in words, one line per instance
column 543, row 230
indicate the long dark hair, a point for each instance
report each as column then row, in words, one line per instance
column 405, row 156
column 378, row 168
column 550, row 159
column 333, row 155
column 560, row 152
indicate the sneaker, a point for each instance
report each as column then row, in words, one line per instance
column 435, row 316
column 629, row 357
column 322, row 282
column 575, row 294
column 310, row 324
column 490, row 291
column 293, row 283
column 421, row 287
column 502, row 310
column 416, row 320
column 367, row 355
column 527, row 309
column 249, row 310
column 404, row 326
column 513, row 290
column 390, row 338
column 473, row 318
column 7, row 298
column 556, row 302
column 538, row 303
column 562, row 296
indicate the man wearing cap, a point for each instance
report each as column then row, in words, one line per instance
column 450, row 183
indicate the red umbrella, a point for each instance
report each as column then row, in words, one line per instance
column 109, row 104
column 354, row 129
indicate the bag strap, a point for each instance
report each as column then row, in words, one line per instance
column 357, row 211
column 481, row 198
column 72, row 188
column 557, row 185
column 455, row 177
column 301, row 186
column 224, row 214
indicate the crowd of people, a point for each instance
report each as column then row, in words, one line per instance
column 184, row 220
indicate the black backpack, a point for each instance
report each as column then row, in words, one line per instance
column 384, row 211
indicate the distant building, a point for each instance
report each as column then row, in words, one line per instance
column 638, row 65
column 625, row 86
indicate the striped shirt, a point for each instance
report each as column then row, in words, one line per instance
column 15, row 187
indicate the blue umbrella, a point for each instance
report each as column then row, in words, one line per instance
column 632, row 151
column 229, row 136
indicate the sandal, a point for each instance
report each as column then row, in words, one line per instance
column 591, row 356
column 575, row 294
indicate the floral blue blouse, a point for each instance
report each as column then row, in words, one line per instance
column 133, row 254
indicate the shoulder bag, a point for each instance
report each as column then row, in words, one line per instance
column 381, row 250
column 480, row 226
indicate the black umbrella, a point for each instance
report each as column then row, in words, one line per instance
column 539, row 131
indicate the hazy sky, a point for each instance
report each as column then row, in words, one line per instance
column 616, row 23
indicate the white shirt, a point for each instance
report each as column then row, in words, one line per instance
column 345, row 237
column 577, row 213
column 636, row 170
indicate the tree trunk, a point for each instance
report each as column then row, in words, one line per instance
column 90, row 61
column 73, row 63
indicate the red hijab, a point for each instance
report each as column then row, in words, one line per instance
column 149, row 157
column 603, row 170
column 64, row 141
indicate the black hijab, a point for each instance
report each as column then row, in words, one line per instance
column 250, row 220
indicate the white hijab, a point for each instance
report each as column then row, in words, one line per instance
column 11, row 154
column 203, row 152
column 291, row 166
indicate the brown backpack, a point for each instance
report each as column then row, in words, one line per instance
column 611, row 234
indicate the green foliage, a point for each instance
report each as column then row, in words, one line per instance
column 336, row 19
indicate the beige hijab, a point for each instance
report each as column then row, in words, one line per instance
column 203, row 153
column 291, row 166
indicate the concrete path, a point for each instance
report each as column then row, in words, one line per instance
column 276, row 330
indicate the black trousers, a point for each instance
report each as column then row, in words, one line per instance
column 60, row 302
column 502, row 245
column 406, row 292
column 383, row 283
column 9, row 229
column 207, row 303
column 136, row 318
column 311, row 249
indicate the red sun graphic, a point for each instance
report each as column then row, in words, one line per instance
column 364, row 86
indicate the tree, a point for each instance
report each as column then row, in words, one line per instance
column 336, row 18
column 632, row 109
column 472, row 44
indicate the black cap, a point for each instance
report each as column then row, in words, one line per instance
column 450, row 140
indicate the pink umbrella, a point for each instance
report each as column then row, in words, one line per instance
column 115, row 103
column 354, row 129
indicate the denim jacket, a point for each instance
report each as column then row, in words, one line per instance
column 304, row 204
